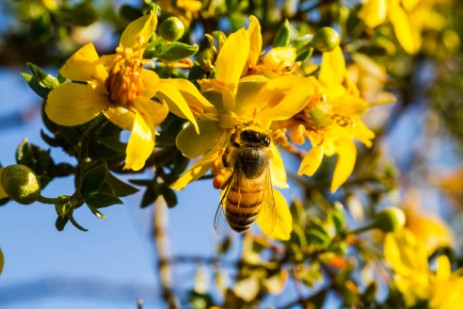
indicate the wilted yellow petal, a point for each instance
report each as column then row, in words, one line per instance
column 73, row 104
column 120, row 116
column 282, row 226
column 311, row 161
column 256, row 41
column 332, row 68
column 140, row 145
column 373, row 12
column 403, row 29
column 140, row 29
column 232, row 58
column 277, row 168
column 197, row 170
column 83, row 65
column 192, row 144
column 176, row 102
column 346, row 160
column 2, row 191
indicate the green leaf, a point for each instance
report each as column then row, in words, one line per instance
column 101, row 199
column 40, row 81
column 282, row 37
column 77, row 225
column 315, row 237
column 61, row 223
column 93, row 178
column 120, row 188
column 2, row 261
column 169, row 196
column 97, row 213
column 338, row 216
column 83, row 14
column 171, row 51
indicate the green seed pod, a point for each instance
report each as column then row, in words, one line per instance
column 20, row 183
column 390, row 220
column 326, row 39
column 171, row 29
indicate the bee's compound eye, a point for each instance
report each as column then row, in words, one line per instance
column 267, row 141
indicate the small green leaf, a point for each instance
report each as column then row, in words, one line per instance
column 282, row 37
column 315, row 237
column 171, row 51
column 61, row 223
column 34, row 85
column 120, row 188
column 97, row 213
column 101, row 199
column 338, row 216
column 43, row 79
column 77, row 225
column 93, row 178
column 169, row 196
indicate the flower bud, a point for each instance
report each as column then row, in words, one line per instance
column 20, row 183
column 171, row 29
column 326, row 39
column 390, row 220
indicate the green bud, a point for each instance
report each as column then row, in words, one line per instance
column 171, row 29
column 20, row 183
column 326, row 39
column 390, row 220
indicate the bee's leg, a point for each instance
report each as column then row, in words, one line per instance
column 225, row 161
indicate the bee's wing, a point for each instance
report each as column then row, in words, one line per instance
column 220, row 222
column 268, row 212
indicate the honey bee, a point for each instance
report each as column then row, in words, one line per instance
column 248, row 192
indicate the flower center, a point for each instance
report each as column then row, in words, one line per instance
column 125, row 82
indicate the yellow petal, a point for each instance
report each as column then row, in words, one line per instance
column 197, row 170
column 346, row 160
column 121, row 117
column 403, row 29
column 311, row 161
column 248, row 88
column 192, row 144
column 405, row 254
column 151, row 83
column 277, row 168
column 139, row 31
column 73, row 104
column 176, row 102
column 256, row 41
column 283, row 97
column 140, row 145
column 83, row 65
column 333, row 67
column 443, row 269
column 373, row 12
column 281, row 226
column 196, row 101
column 153, row 112
column 2, row 191
column 232, row 58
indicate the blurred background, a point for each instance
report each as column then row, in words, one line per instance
column 115, row 263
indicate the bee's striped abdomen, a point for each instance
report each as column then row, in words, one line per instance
column 244, row 202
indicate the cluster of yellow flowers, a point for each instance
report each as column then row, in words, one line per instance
column 267, row 91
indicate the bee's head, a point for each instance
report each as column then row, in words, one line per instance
column 254, row 138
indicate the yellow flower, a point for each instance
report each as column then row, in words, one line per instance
column 332, row 121
column 234, row 102
column 277, row 61
column 119, row 87
column 408, row 258
column 429, row 229
column 192, row 6
column 408, row 18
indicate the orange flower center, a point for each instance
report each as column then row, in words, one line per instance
column 125, row 82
